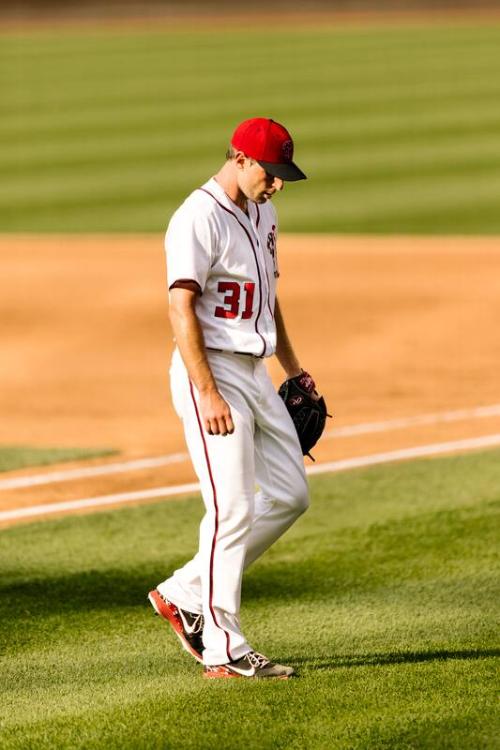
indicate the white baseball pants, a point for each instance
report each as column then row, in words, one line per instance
column 239, row 524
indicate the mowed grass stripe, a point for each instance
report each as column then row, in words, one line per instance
column 355, row 162
column 133, row 120
column 330, row 72
column 414, row 194
column 181, row 75
column 55, row 147
column 416, row 105
column 135, row 182
column 177, row 71
column 438, row 37
column 14, row 457
column 412, row 202
column 391, row 135
column 73, row 85
column 389, row 161
column 450, row 174
column 383, row 595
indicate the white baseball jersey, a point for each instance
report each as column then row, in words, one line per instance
column 232, row 257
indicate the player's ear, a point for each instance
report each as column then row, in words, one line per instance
column 239, row 159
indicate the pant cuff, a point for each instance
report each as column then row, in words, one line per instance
column 179, row 601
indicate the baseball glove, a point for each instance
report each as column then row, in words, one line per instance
column 307, row 410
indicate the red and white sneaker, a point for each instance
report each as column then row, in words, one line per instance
column 253, row 665
column 188, row 626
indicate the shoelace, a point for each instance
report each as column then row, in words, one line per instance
column 257, row 660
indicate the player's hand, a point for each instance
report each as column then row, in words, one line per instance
column 216, row 414
column 307, row 382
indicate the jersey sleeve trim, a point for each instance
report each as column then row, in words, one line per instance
column 186, row 284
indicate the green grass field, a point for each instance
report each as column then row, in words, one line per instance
column 20, row 457
column 397, row 126
column 383, row 596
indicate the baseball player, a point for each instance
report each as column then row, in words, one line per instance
column 222, row 269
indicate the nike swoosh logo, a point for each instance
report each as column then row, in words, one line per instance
column 188, row 628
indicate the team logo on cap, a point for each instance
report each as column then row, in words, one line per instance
column 287, row 150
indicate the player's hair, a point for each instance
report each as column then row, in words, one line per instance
column 231, row 154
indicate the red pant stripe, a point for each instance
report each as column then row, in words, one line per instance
column 214, row 539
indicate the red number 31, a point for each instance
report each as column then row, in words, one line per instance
column 232, row 292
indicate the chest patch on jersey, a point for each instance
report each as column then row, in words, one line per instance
column 271, row 246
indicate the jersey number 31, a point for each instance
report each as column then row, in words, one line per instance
column 232, row 294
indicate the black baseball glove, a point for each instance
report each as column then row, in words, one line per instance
column 307, row 410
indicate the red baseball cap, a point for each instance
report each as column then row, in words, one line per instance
column 270, row 144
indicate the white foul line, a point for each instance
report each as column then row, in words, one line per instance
column 419, row 451
column 96, row 502
column 150, row 463
column 422, row 419
column 182, row 489
column 92, row 471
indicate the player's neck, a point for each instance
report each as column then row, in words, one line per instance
column 226, row 179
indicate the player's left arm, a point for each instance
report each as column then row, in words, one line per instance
column 284, row 349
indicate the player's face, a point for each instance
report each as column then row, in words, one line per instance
column 258, row 185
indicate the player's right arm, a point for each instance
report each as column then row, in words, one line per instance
column 215, row 411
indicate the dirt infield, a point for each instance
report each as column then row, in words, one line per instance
column 81, row 17
column 390, row 327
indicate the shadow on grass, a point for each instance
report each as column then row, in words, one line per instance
column 409, row 657
column 308, row 578
column 108, row 589
column 79, row 592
